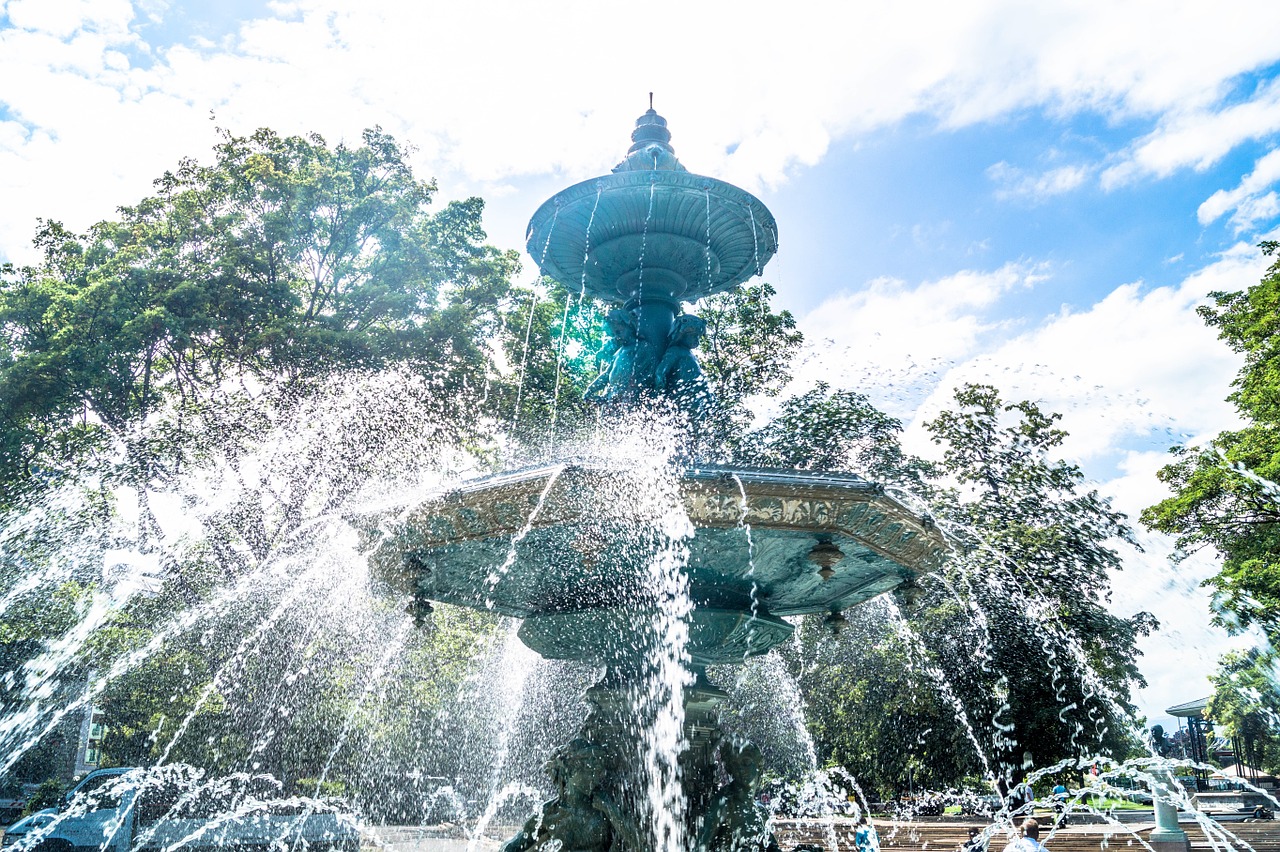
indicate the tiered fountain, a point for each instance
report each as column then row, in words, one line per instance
column 589, row 556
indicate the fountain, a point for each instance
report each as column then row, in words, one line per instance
column 655, row 570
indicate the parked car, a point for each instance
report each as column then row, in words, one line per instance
column 174, row 808
column 11, row 810
column 19, row 829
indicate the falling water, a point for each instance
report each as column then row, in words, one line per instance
column 755, row 240
column 496, row 575
column 644, row 236
column 706, row 192
column 524, row 357
column 751, row 549
column 515, row 664
column 564, row 320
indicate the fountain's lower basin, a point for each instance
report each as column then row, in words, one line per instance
column 560, row 547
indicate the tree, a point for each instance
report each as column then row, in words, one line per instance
column 293, row 320
column 747, row 352
column 831, row 430
column 550, row 339
column 1246, row 707
column 1225, row 497
column 32, row 621
column 1042, row 668
column 1225, row 494
column 1008, row 657
column 874, row 710
column 280, row 263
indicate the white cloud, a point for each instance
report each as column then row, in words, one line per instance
column 1140, row 365
column 901, row 339
column 492, row 91
column 1198, row 138
column 1250, row 200
column 1015, row 183
column 62, row 18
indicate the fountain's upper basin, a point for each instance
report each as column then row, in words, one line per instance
column 643, row 234
column 564, row 547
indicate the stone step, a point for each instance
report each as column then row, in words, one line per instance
column 946, row 837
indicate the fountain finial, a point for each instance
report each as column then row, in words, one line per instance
column 650, row 146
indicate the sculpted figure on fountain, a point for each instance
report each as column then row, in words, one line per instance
column 679, row 374
column 631, row 362
column 733, row 819
column 632, row 369
column 584, row 816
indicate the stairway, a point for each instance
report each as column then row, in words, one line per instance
column 947, row 836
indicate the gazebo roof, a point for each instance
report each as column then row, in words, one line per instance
column 1189, row 709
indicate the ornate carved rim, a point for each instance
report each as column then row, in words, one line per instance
column 537, row 498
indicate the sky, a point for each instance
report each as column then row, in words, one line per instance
column 1037, row 196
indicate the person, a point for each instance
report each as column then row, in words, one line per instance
column 1060, row 802
column 977, row 841
column 1030, row 839
column 1021, row 799
column 865, row 838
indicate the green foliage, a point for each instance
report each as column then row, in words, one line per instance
column 33, row 621
column 748, row 347
column 1041, row 665
column 1022, row 508
column 747, row 352
column 1246, row 706
column 1225, row 494
column 876, row 713
column 838, row 431
column 315, row 787
column 283, row 261
column 47, row 795
column 550, row 340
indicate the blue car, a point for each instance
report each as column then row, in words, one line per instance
column 19, row 829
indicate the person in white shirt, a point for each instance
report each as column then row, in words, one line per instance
column 1030, row 839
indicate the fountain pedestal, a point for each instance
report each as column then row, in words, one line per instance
column 1167, row 836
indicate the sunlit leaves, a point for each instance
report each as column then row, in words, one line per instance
column 283, row 261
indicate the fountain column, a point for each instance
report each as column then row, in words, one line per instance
column 1166, row 836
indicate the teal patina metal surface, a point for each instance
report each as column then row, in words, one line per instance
column 648, row 237
column 652, row 231
column 569, row 548
column 556, row 546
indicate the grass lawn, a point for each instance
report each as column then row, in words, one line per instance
column 1096, row 804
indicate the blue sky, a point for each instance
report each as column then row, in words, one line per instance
column 1035, row 195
